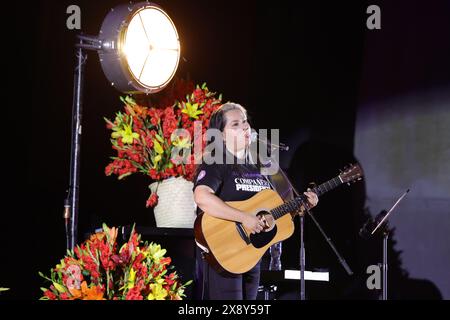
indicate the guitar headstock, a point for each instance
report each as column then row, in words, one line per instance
column 351, row 173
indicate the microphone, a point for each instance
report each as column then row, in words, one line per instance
column 281, row 146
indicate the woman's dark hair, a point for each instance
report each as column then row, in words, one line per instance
column 218, row 121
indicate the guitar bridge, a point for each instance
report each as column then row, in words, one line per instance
column 242, row 233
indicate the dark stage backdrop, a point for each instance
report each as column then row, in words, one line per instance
column 402, row 133
column 308, row 68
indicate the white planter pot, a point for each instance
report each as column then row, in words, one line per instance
column 176, row 207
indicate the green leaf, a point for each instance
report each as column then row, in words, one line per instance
column 109, row 121
column 124, row 175
column 43, row 276
column 130, row 100
column 59, row 287
column 159, row 138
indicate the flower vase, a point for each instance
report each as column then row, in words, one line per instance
column 176, row 207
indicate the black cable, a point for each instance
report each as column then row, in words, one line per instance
column 205, row 269
column 66, row 222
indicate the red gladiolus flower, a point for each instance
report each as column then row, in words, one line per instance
column 109, row 169
column 165, row 261
column 64, row 296
column 152, row 200
column 50, row 295
column 134, row 294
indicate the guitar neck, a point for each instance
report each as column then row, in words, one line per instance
column 327, row 186
column 294, row 204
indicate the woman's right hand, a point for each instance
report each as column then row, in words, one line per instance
column 253, row 223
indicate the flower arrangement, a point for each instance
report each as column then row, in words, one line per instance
column 157, row 141
column 96, row 270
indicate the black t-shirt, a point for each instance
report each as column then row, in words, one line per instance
column 231, row 182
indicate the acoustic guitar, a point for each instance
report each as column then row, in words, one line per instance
column 229, row 247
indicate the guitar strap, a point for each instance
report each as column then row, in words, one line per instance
column 278, row 182
column 281, row 185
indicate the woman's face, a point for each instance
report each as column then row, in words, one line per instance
column 237, row 130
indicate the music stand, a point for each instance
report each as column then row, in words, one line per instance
column 385, row 242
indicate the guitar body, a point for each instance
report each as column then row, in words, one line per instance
column 233, row 249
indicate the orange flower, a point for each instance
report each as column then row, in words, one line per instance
column 113, row 235
column 76, row 293
column 93, row 293
column 97, row 236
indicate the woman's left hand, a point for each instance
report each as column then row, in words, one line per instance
column 312, row 198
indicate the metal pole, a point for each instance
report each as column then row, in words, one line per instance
column 385, row 264
column 75, row 162
column 302, row 260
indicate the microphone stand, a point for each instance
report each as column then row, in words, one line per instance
column 302, row 245
column 301, row 215
column 302, row 260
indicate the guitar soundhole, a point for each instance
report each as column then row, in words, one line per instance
column 259, row 240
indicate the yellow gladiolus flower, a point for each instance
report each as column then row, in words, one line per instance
column 192, row 110
column 158, row 292
column 131, row 279
column 182, row 143
column 156, row 252
column 127, row 134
